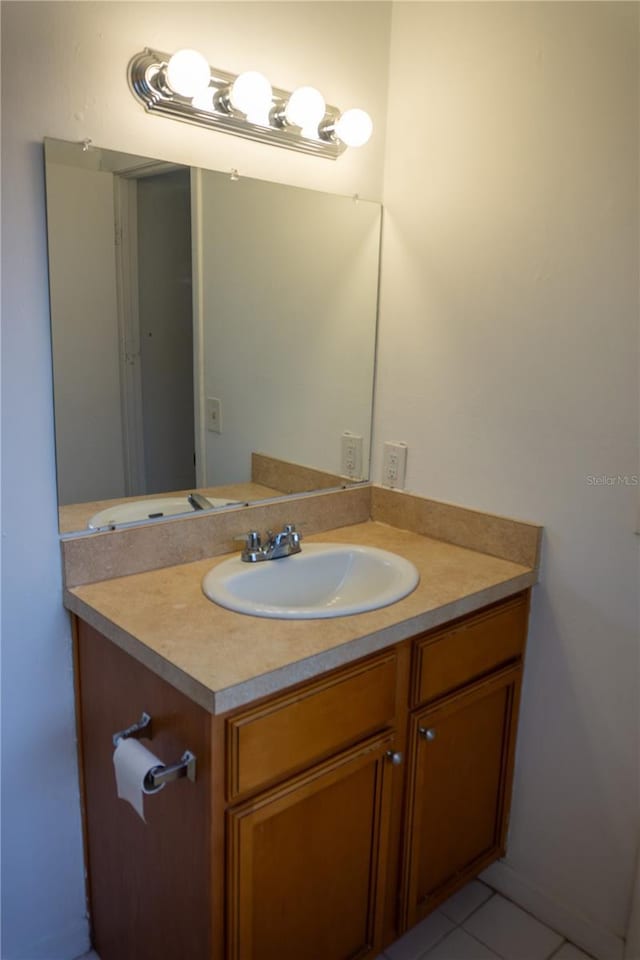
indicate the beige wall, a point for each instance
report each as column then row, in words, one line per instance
column 509, row 362
column 82, row 282
column 288, row 289
column 64, row 75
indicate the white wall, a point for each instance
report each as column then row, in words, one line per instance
column 269, row 343
column 82, row 282
column 509, row 363
column 63, row 75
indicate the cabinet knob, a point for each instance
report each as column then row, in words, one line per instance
column 394, row 758
column 427, row 733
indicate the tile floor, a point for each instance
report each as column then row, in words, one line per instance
column 477, row 924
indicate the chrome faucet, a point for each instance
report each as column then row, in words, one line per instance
column 198, row 502
column 276, row 545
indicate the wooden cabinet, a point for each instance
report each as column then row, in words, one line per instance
column 290, row 732
column 452, row 656
column 307, row 862
column 465, row 697
column 149, row 884
column 324, row 820
column 306, row 859
column 461, row 754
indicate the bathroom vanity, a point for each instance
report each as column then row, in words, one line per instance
column 351, row 773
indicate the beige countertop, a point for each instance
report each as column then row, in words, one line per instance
column 223, row 660
column 74, row 517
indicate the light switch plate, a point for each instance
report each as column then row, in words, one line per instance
column 214, row 415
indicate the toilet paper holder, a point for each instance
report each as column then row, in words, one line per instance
column 185, row 767
column 163, row 773
column 135, row 730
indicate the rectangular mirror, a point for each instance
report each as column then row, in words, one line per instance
column 213, row 336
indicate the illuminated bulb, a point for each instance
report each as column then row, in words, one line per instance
column 251, row 94
column 354, row 127
column 204, row 100
column 188, row 73
column 305, row 108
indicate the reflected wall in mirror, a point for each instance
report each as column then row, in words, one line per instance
column 211, row 334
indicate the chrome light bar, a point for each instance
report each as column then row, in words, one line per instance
column 148, row 81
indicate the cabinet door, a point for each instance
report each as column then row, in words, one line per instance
column 307, row 862
column 460, row 779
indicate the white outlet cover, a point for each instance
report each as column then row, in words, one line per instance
column 351, row 455
column 394, row 464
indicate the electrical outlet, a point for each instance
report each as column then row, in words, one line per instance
column 351, row 455
column 214, row 415
column 394, row 464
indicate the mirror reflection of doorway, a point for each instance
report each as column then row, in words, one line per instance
column 153, row 236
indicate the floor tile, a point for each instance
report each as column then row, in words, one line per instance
column 421, row 938
column 510, row 932
column 460, row 946
column 568, row 952
column 465, row 901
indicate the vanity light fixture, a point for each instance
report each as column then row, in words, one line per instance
column 185, row 87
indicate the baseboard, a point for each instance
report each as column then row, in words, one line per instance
column 600, row 943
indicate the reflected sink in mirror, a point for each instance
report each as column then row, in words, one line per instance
column 152, row 508
column 324, row 580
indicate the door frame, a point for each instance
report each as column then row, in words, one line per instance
column 125, row 196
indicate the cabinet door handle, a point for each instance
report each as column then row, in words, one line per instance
column 427, row 733
column 394, row 758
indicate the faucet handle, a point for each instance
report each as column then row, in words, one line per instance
column 290, row 530
column 251, row 540
column 288, row 534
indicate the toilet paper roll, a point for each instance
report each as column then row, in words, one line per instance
column 132, row 762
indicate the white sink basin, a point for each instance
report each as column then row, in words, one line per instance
column 151, row 508
column 324, row 580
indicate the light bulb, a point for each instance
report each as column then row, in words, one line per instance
column 251, row 94
column 188, row 73
column 305, row 108
column 204, row 100
column 354, row 127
